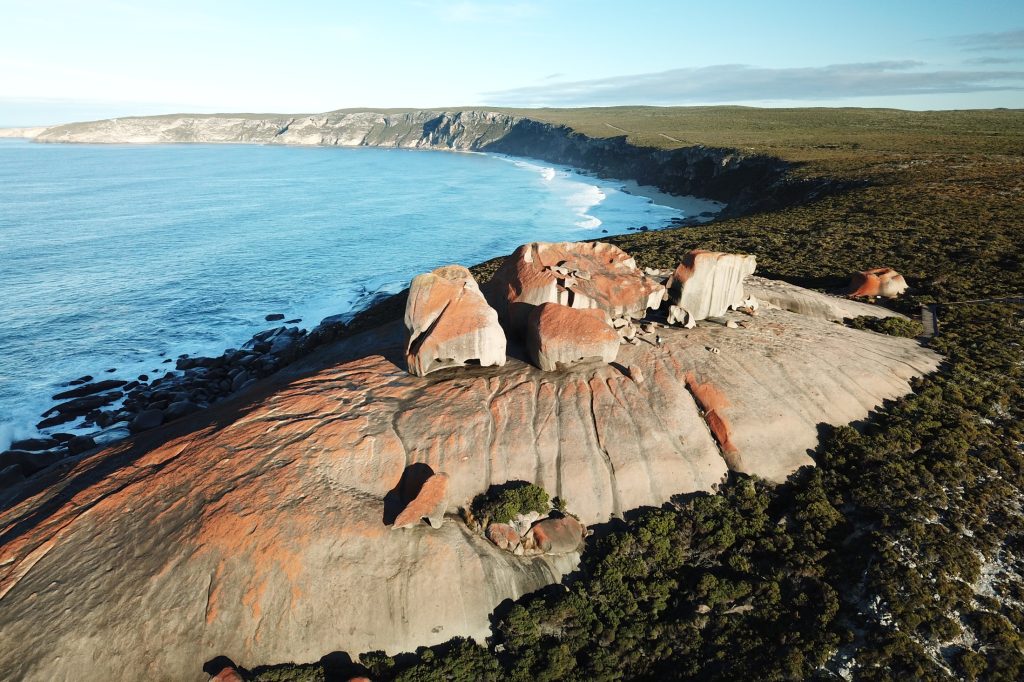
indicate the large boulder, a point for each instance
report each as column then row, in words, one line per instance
column 505, row 537
column 430, row 504
column 707, row 283
column 558, row 336
column 450, row 323
column 884, row 282
column 574, row 274
column 555, row 536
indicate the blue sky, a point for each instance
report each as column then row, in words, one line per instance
column 64, row 60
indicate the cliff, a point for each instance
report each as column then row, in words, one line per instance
column 746, row 182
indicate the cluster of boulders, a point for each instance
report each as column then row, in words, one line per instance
column 143, row 404
column 569, row 302
column 532, row 534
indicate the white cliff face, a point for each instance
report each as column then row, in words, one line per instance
column 462, row 131
column 21, row 132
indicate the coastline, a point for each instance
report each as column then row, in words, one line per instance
column 106, row 423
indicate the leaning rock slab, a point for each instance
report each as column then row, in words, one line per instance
column 450, row 323
column 430, row 504
column 558, row 337
column 884, row 282
column 577, row 275
column 707, row 283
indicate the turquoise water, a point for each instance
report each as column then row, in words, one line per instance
column 119, row 256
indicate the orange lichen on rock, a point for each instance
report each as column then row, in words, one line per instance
column 430, row 503
column 712, row 401
column 227, row 674
column 555, row 536
column 450, row 323
column 577, row 275
column 558, row 336
column 884, row 282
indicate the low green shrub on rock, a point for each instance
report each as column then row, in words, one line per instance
column 893, row 326
column 502, row 503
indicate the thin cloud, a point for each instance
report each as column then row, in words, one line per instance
column 743, row 83
column 990, row 61
column 985, row 42
column 481, row 11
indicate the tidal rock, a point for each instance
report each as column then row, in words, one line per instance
column 144, row 421
column 430, row 504
column 179, row 409
column 504, row 537
column 555, row 536
column 884, row 282
column 80, row 406
column 80, row 444
column 577, row 275
column 450, row 323
column 558, row 336
column 274, row 317
column 90, row 389
column 707, row 283
column 34, row 444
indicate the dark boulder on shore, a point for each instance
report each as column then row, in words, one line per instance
column 35, row 444
column 80, row 444
column 274, row 317
column 144, row 421
column 90, row 389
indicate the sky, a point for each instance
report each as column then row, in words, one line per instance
column 72, row 60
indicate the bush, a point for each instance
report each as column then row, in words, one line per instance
column 893, row 326
column 502, row 503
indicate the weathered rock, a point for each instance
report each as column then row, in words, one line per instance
column 558, row 336
column 227, row 674
column 430, row 504
column 179, row 409
column 34, row 444
column 884, row 282
column 784, row 296
column 708, row 283
column 555, row 536
column 713, row 403
column 80, row 444
column 90, row 389
column 80, row 406
column 257, row 533
column 504, row 537
column 450, row 323
column 150, row 419
column 274, row 317
column 30, row 462
column 577, row 275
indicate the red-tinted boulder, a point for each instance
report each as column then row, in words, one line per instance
column 504, row 536
column 555, row 536
column 558, row 336
column 450, row 323
column 227, row 674
column 577, row 275
column 430, row 504
column 884, row 282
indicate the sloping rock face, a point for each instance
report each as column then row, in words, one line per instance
column 255, row 530
column 558, row 336
column 573, row 274
column 450, row 323
column 430, row 503
column 784, row 296
column 707, row 284
column 884, row 282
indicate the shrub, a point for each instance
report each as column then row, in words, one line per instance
column 502, row 503
column 893, row 326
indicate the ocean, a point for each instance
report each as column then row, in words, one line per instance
column 117, row 257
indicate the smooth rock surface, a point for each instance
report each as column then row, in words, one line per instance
column 707, row 283
column 558, row 337
column 574, row 274
column 784, row 296
column 450, row 323
column 555, row 536
column 255, row 529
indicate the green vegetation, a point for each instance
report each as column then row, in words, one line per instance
column 901, row 555
column 893, row 326
column 503, row 503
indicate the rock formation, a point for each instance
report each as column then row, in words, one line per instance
column 555, row 536
column 707, row 284
column 714, row 403
column 450, row 323
column 430, row 503
column 784, row 296
column 505, row 537
column 254, row 529
column 884, row 282
column 558, row 336
column 577, row 275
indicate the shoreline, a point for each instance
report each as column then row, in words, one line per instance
column 107, row 422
